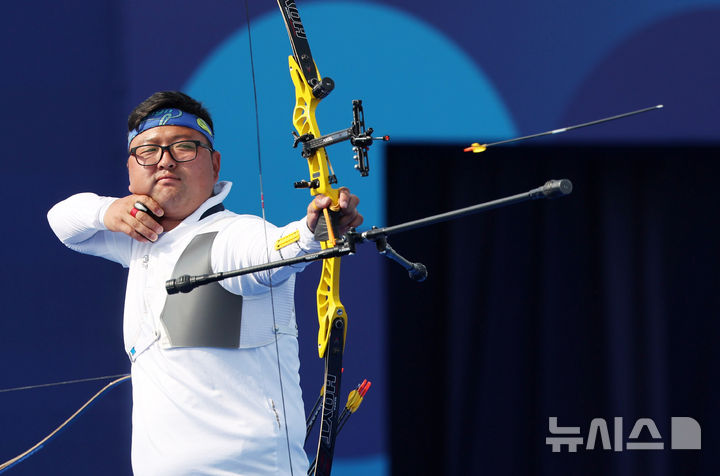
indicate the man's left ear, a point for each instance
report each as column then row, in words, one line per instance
column 216, row 163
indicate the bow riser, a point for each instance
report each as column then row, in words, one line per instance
column 328, row 297
column 329, row 307
column 305, row 123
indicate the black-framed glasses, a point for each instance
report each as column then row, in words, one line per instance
column 181, row 151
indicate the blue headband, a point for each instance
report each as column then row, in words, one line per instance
column 173, row 117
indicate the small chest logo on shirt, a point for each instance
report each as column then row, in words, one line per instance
column 145, row 261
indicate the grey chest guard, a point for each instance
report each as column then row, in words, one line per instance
column 208, row 316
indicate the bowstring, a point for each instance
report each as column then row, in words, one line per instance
column 64, row 382
column 267, row 249
column 39, row 445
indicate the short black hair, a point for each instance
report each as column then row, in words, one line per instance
column 168, row 99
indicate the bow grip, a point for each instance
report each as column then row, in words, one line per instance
column 321, row 229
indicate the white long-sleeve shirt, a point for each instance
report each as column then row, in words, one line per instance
column 202, row 410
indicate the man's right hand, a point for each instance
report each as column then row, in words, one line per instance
column 141, row 227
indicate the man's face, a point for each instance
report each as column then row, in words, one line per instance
column 179, row 187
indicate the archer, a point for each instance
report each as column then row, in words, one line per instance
column 206, row 393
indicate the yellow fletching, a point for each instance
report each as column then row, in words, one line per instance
column 354, row 401
column 476, row 148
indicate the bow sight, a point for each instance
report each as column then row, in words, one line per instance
column 360, row 138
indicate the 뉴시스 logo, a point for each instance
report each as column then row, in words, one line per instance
column 685, row 434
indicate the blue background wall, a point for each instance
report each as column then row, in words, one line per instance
column 428, row 74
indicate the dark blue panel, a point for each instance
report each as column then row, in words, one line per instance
column 674, row 63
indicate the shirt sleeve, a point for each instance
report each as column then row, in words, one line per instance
column 78, row 223
column 248, row 241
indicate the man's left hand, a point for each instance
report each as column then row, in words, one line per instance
column 350, row 218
